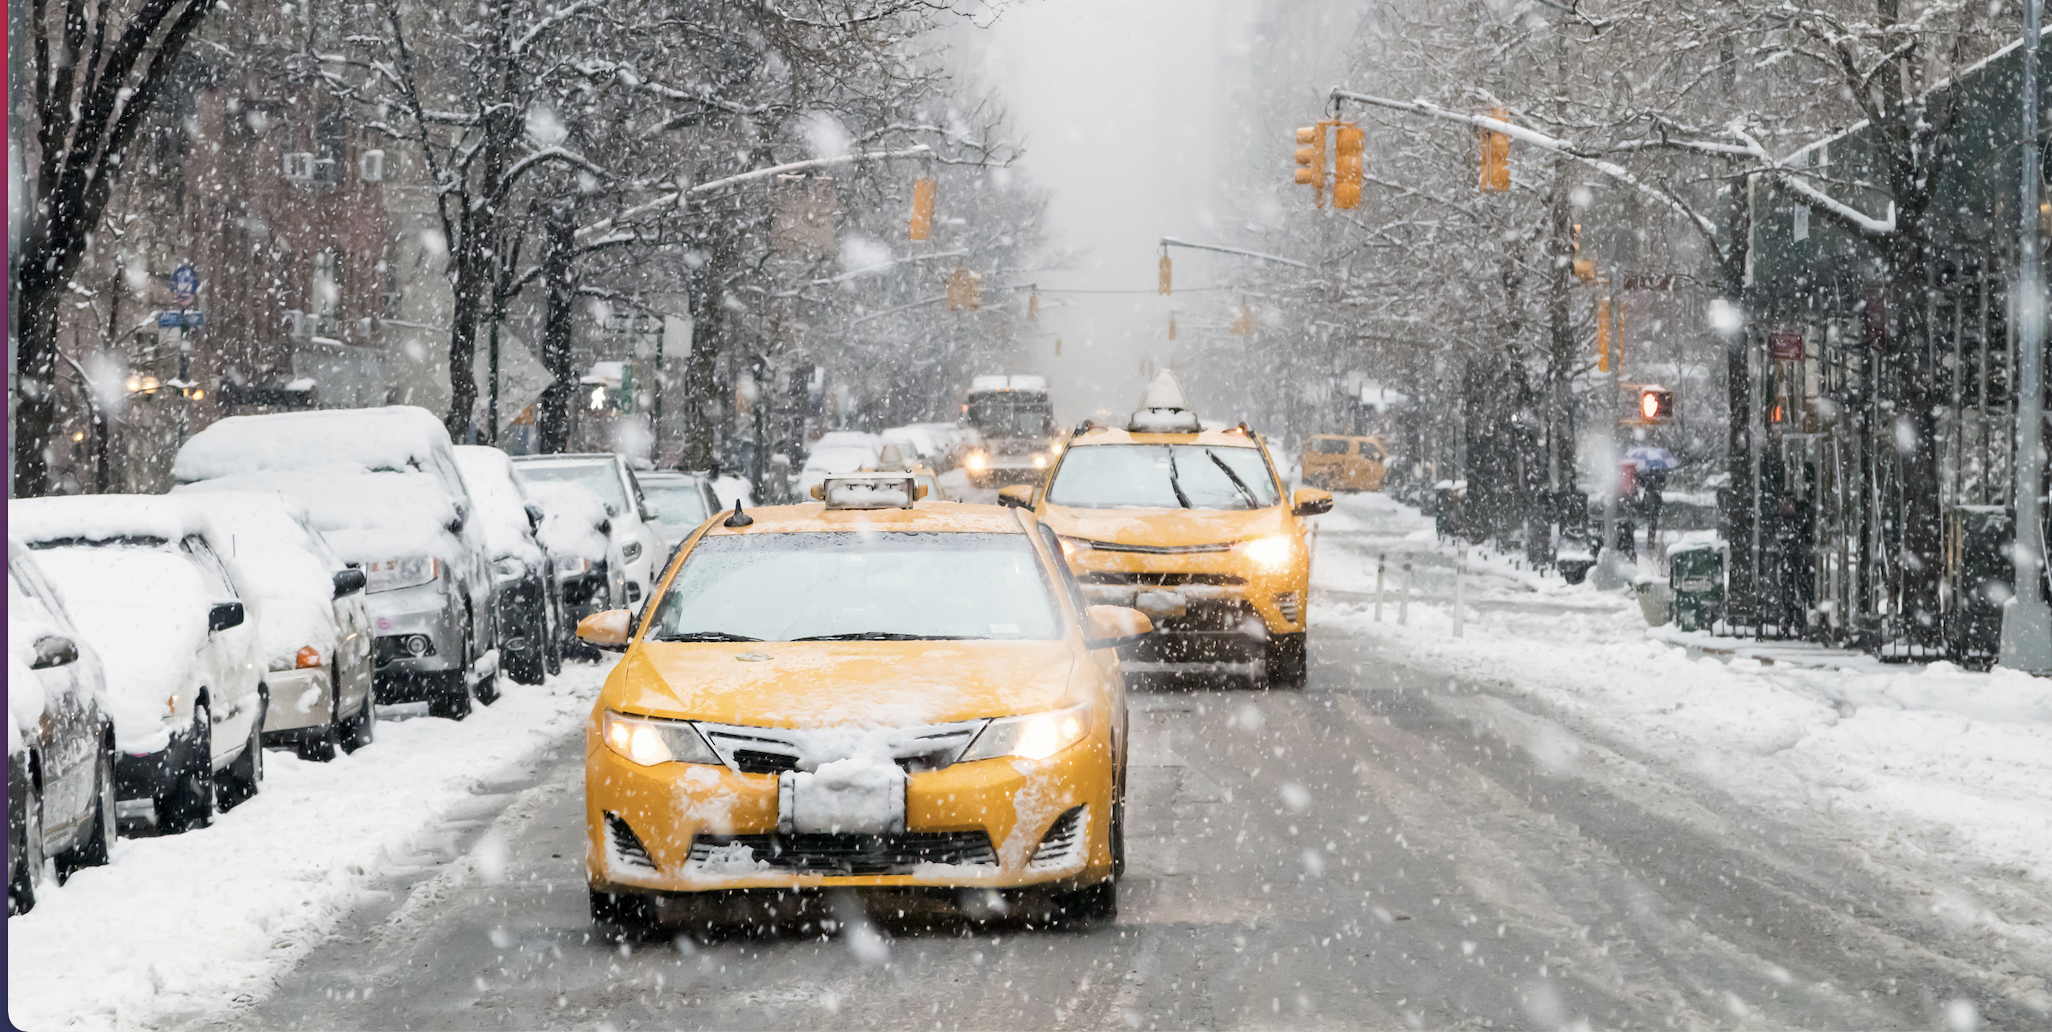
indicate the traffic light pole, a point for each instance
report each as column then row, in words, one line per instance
column 2027, row 620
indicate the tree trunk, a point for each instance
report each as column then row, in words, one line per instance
column 35, row 386
column 553, row 425
column 701, row 386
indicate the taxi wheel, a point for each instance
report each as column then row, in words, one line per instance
column 623, row 916
column 1287, row 662
column 1092, row 903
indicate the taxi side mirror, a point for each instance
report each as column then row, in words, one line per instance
column 918, row 491
column 818, row 492
column 1108, row 627
column 607, row 629
column 1017, row 496
column 1309, row 501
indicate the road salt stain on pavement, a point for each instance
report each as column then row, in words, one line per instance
column 182, row 926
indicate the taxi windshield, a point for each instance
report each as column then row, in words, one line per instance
column 848, row 586
column 1163, row 476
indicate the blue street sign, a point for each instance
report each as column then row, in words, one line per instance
column 185, row 285
column 181, row 318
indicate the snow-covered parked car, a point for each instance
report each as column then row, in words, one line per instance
column 310, row 616
column 840, row 451
column 60, row 740
column 577, row 533
column 682, row 501
column 634, row 519
column 145, row 585
column 529, row 605
column 382, row 486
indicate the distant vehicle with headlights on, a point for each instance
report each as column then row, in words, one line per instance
column 382, row 486
column 311, row 620
column 1193, row 527
column 530, row 608
column 1016, row 421
column 633, row 518
column 577, row 533
column 144, row 582
column 868, row 692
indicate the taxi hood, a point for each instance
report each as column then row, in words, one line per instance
column 1164, row 528
column 841, row 683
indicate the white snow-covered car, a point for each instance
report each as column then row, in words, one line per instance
column 577, row 533
column 635, row 521
column 529, row 605
column 310, row 616
column 60, row 755
column 145, row 584
column 841, row 451
column 383, row 487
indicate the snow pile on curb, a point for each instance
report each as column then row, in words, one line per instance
column 179, row 927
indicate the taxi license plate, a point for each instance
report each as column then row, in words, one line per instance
column 866, row 800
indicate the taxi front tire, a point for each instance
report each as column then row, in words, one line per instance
column 623, row 916
column 1287, row 664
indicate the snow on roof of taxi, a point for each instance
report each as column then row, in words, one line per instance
column 815, row 517
column 392, row 437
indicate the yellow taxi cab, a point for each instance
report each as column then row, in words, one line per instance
column 1341, row 463
column 868, row 691
column 1193, row 527
column 892, row 460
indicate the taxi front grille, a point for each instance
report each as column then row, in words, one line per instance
column 1160, row 579
column 776, row 750
column 1116, row 546
column 1064, row 841
column 847, row 854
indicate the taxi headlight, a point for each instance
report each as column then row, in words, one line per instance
column 649, row 742
column 1040, row 462
column 1056, row 448
column 977, row 462
column 1073, row 547
column 1273, row 551
column 1035, row 736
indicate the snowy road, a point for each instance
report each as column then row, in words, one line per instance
column 1393, row 846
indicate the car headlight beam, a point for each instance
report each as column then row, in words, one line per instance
column 648, row 742
column 1032, row 736
column 1273, row 552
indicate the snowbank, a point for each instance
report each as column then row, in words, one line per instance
column 183, row 927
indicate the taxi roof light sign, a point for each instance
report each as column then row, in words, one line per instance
column 869, row 491
column 1163, row 409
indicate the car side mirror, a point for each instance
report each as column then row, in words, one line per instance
column 650, row 513
column 54, row 650
column 349, row 582
column 1108, row 627
column 535, row 516
column 1310, row 501
column 225, row 615
column 608, row 629
column 1017, row 496
column 456, row 525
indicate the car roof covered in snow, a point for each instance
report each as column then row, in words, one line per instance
column 390, row 438
column 1209, row 438
column 88, row 518
column 815, row 517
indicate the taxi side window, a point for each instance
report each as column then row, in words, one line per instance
column 1329, row 446
column 209, row 564
column 1054, row 551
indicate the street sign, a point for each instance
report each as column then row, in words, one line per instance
column 186, row 319
column 184, row 286
column 1786, row 347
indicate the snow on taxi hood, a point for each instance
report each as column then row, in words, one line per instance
column 819, row 684
column 1167, row 527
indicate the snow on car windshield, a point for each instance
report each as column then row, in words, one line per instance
column 822, row 586
column 1163, row 476
column 597, row 476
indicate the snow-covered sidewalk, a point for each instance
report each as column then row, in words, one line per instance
column 177, row 927
column 1941, row 775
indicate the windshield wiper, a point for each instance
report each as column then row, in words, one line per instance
column 888, row 636
column 705, row 636
column 1175, row 480
column 1244, row 490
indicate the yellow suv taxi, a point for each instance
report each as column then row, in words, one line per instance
column 1193, row 527
column 867, row 691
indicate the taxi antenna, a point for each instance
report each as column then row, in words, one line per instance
column 739, row 519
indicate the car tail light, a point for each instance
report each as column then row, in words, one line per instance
column 308, row 657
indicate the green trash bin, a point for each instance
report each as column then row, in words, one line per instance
column 1695, row 576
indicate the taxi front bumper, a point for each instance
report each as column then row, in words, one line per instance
column 1194, row 595
column 996, row 824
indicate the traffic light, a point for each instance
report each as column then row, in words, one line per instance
column 1602, row 334
column 1166, row 278
column 1347, row 174
column 1585, row 268
column 925, row 190
column 1656, row 405
column 1496, row 156
column 1172, row 325
column 1311, row 160
column 965, row 290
